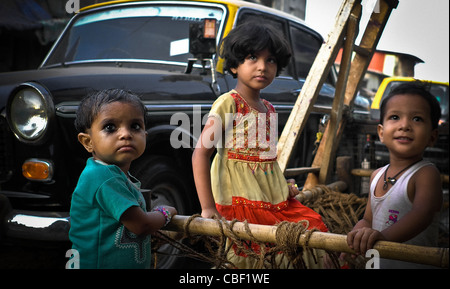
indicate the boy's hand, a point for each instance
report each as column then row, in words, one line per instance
column 363, row 239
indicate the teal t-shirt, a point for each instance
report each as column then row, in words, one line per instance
column 102, row 195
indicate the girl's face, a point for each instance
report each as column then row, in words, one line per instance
column 257, row 71
column 407, row 129
column 117, row 135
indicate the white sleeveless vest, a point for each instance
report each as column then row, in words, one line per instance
column 392, row 206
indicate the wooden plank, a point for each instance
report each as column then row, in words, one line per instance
column 313, row 179
column 344, row 165
column 313, row 83
column 338, row 102
column 358, row 68
column 369, row 42
column 292, row 172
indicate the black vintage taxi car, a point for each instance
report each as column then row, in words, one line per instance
column 157, row 50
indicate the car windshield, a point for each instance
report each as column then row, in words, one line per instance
column 139, row 33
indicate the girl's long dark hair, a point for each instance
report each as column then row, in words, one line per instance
column 251, row 37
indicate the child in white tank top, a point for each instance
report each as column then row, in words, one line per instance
column 405, row 195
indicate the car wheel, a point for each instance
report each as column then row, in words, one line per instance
column 168, row 186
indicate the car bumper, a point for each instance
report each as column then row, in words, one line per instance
column 33, row 225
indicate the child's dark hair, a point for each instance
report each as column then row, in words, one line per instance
column 249, row 38
column 91, row 105
column 418, row 88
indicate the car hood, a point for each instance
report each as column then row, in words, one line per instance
column 72, row 83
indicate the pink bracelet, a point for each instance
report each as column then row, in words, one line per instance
column 165, row 212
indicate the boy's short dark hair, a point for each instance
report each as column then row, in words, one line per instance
column 90, row 106
column 249, row 38
column 420, row 88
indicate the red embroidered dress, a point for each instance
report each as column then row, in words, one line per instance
column 247, row 182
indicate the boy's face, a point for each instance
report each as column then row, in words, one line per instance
column 117, row 135
column 257, row 71
column 406, row 130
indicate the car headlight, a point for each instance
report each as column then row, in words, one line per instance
column 29, row 111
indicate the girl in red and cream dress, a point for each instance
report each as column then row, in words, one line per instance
column 244, row 181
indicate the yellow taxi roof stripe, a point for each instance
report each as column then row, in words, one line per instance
column 377, row 99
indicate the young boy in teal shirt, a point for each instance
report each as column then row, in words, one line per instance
column 110, row 226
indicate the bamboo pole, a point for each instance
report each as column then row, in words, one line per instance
column 328, row 241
